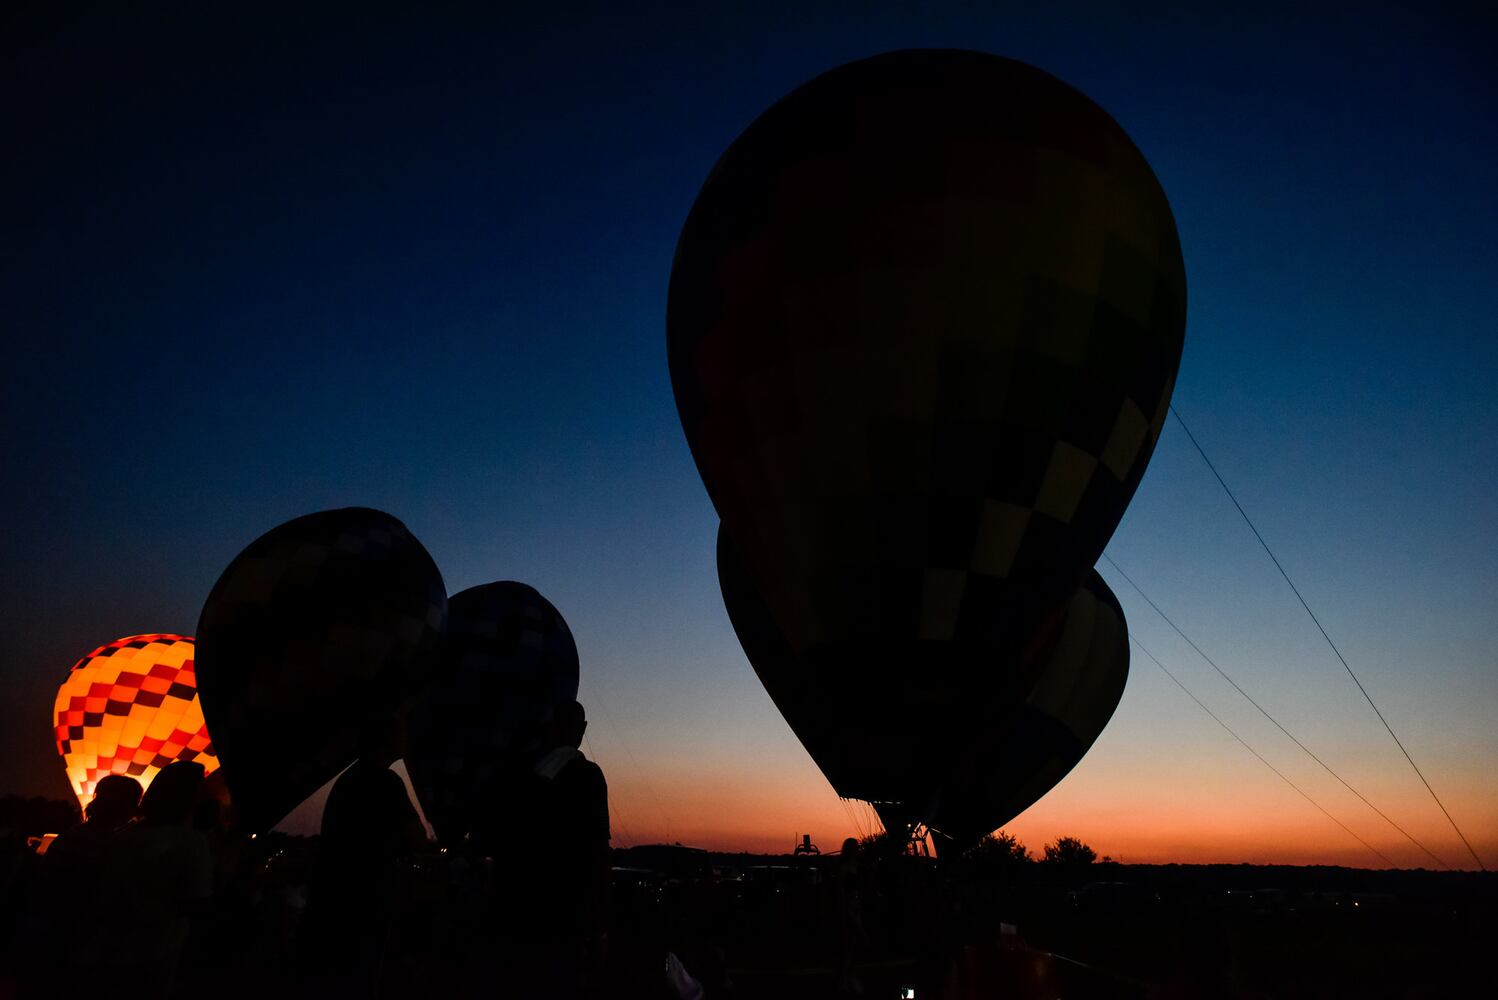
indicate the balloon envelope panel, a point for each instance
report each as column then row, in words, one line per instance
column 131, row 707
column 1016, row 761
column 912, row 744
column 506, row 659
column 318, row 629
column 923, row 324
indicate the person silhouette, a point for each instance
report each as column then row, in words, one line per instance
column 76, row 857
column 158, row 870
column 546, row 827
column 70, row 875
column 368, row 827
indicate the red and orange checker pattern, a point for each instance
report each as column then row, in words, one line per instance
column 131, row 707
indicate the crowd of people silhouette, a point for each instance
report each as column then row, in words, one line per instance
column 157, row 894
column 160, row 894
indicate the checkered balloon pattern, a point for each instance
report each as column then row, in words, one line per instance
column 506, row 660
column 131, row 707
column 320, row 629
column 1024, row 753
column 923, row 325
column 960, row 771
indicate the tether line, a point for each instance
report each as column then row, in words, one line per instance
column 1397, row 742
column 1265, row 712
column 1256, row 753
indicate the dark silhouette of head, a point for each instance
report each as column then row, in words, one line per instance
column 850, row 847
column 116, row 801
column 568, row 723
column 173, row 794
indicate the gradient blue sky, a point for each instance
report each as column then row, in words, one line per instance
column 262, row 266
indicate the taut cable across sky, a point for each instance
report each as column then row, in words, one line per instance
column 1340, row 658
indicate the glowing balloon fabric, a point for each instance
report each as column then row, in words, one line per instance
column 319, row 629
column 131, row 707
column 506, row 659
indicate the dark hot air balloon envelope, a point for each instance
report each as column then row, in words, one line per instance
column 506, row 660
column 923, row 324
column 319, row 629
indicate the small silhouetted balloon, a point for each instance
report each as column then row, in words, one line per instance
column 317, row 630
column 507, row 658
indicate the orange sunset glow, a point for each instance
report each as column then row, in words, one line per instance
column 1261, row 822
column 1138, row 796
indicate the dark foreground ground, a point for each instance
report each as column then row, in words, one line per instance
column 756, row 927
column 1100, row 931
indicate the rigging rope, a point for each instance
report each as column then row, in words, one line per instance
column 629, row 841
column 876, row 823
column 1256, row 753
column 603, row 707
column 1200, row 451
column 853, row 818
column 1265, row 712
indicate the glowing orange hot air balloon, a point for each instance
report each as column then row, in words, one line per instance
column 131, row 707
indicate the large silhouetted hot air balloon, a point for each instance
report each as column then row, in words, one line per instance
column 872, row 746
column 506, row 659
column 923, row 325
column 320, row 628
column 131, row 707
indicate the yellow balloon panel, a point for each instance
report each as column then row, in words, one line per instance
column 131, row 707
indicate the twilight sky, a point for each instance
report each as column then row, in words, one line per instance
column 258, row 267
